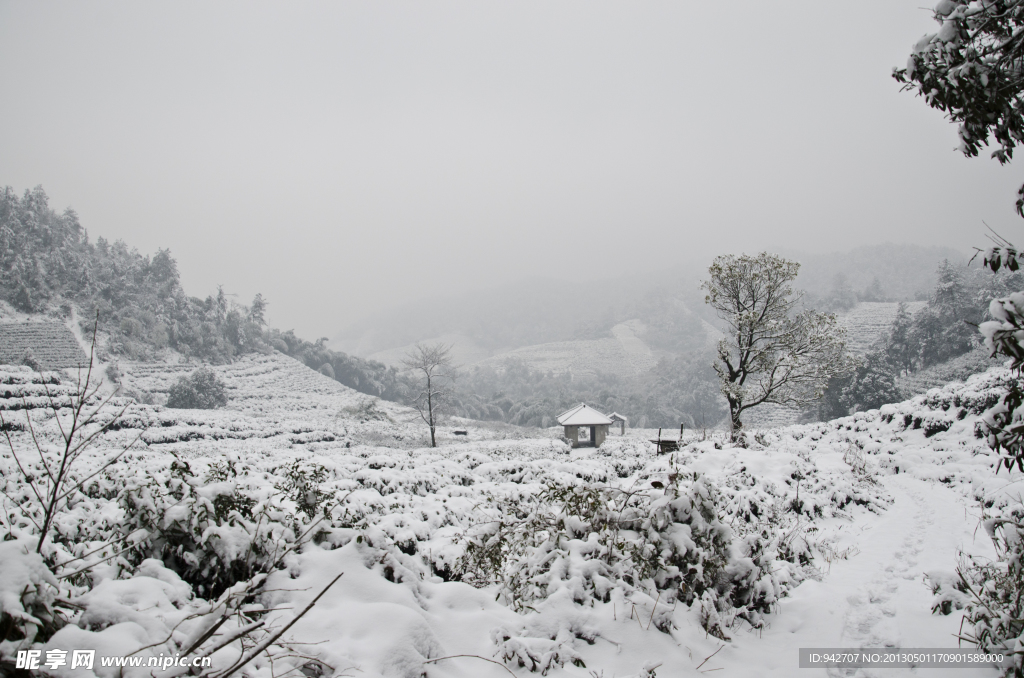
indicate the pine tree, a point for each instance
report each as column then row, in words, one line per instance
column 899, row 348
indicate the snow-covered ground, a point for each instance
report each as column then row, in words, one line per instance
column 499, row 552
column 876, row 597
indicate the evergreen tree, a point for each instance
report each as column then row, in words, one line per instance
column 970, row 69
column 946, row 327
column 258, row 310
column 900, row 350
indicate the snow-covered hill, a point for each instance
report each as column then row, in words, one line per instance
column 495, row 555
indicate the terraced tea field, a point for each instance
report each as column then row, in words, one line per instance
column 866, row 321
column 50, row 344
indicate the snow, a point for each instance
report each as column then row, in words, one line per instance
column 831, row 534
column 876, row 597
column 583, row 415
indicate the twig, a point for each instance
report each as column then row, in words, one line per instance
column 267, row 643
column 97, row 550
column 206, row 636
column 476, row 656
column 652, row 611
column 237, row 633
column 92, row 565
column 708, row 657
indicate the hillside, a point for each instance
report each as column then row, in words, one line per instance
column 46, row 344
column 868, row 320
column 624, row 353
column 49, row 267
column 846, row 516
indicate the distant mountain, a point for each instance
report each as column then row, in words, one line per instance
column 536, row 311
column 668, row 303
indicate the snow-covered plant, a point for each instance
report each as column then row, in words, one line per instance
column 970, row 70
column 595, row 543
column 212, row 530
column 1004, row 335
column 303, row 484
column 990, row 592
column 201, row 390
column 537, row 653
column 28, row 591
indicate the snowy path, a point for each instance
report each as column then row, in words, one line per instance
column 876, row 597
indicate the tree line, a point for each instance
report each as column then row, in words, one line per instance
column 47, row 262
column 945, row 328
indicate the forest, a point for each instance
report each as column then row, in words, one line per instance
column 47, row 262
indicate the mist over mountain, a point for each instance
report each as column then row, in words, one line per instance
column 903, row 272
column 537, row 311
column 668, row 301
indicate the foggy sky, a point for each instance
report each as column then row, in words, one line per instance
column 341, row 158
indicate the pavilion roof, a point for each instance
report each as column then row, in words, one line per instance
column 583, row 415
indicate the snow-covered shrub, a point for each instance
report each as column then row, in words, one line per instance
column 592, row 543
column 27, row 593
column 990, row 592
column 537, row 651
column 367, row 410
column 212, row 530
column 303, row 484
column 201, row 390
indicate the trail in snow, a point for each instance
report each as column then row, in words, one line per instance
column 877, row 596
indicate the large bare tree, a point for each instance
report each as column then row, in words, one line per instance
column 432, row 364
column 771, row 353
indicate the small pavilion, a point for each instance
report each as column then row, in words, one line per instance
column 621, row 420
column 585, row 416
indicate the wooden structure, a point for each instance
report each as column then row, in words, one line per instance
column 669, row 445
column 621, row 420
column 584, row 415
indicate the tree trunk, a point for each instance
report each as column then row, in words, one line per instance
column 430, row 412
column 735, row 425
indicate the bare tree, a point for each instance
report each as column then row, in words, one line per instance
column 433, row 367
column 771, row 354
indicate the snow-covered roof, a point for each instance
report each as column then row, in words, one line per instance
column 583, row 415
column 615, row 416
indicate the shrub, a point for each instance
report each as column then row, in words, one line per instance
column 989, row 592
column 599, row 543
column 27, row 595
column 201, row 390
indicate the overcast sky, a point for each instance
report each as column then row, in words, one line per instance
column 341, row 157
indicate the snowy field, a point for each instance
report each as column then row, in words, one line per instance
column 500, row 551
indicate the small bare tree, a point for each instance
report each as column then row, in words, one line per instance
column 432, row 365
column 80, row 420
